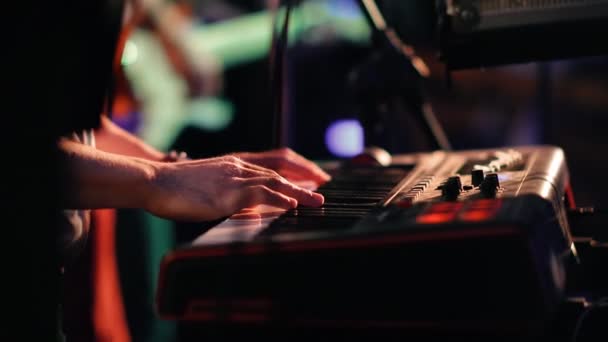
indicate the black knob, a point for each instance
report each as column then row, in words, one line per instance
column 477, row 177
column 452, row 187
column 490, row 185
column 469, row 16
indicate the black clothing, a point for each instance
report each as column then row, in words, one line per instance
column 57, row 71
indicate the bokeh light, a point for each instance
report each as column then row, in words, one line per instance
column 130, row 53
column 344, row 138
column 210, row 114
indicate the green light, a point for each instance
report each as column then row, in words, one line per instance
column 247, row 38
column 130, row 53
column 210, row 114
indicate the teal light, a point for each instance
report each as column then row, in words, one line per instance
column 248, row 37
column 130, row 53
column 210, row 114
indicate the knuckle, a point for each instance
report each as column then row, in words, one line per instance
column 231, row 169
column 285, row 151
column 274, row 174
column 275, row 181
column 232, row 159
column 237, row 182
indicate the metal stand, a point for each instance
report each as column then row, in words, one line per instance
column 390, row 82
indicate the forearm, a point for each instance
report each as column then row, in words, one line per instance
column 197, row 190
column 111, row 138
column 106, row 180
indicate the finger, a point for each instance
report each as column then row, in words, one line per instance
column 302, row 195
column 239, row 168
column 301, row 159
column 300, row 169
column 262, row 168
column 249, row 169
column 260, row 194
column 299, row 177
column 246, row 216
column 306, row 184
column 249, row 172
column 295, row 157
column 229, row 159
column 285, row 161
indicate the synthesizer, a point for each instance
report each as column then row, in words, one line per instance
column 459, row 240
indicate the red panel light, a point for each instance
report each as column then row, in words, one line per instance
column 435, row 218
column 481, row 210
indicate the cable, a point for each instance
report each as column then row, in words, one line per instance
column 383, row 34
column 601, row 303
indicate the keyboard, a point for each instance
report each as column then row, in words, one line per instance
column 472, row 240
column 349, row 196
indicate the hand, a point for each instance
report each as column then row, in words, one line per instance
column 209, row 189
column 287, row 163
column 175, row 156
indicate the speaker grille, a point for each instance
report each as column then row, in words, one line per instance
column 501, row 6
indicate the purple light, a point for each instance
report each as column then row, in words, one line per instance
column 344, row 138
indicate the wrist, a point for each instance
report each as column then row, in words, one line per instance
column 153, row 190
column 144, row 188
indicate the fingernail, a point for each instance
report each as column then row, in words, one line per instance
column 318, row 197
column 324, row 175
column 293, row 202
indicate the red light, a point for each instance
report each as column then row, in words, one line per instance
column 444, row 207
column 440, row 213
column 436, row 217
column 405, row 203
column 477, row 215
column 485, row 204
column 481, row 210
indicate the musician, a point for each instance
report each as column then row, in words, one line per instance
column 103, row 166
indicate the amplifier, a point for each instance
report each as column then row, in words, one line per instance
column 476, row 33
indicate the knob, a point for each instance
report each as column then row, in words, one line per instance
column 469, row 16
column 452, row 187
column 477, row 177
column 490, row 185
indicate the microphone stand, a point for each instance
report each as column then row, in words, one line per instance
column 390, row 83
